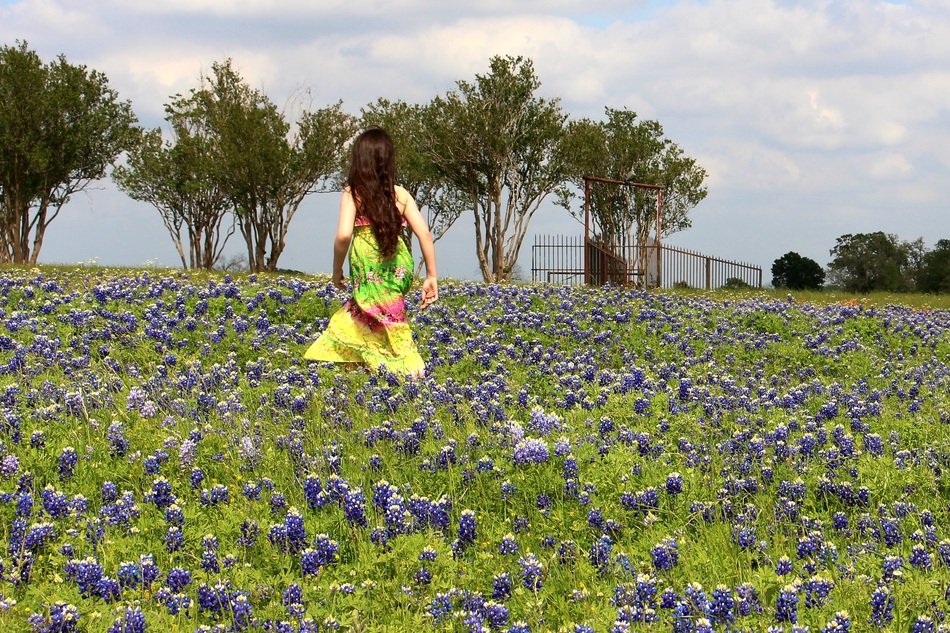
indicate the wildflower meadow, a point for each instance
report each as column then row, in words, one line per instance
column 575, row 460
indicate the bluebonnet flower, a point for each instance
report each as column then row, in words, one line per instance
column 241, row 613
column 95, row 531
column 495, row 614
column 882, row 607
column 62, row 618
column 440, row 607
column 249, row 532
column 519, row 627
column 108, row 589
column 923, row 624
column 786, row 605
column 422, row 576
column 920, row 558
column 323, row 553
column 531, row 572
column 665, row 554
column 290, row 536
column 150, row 571
column 530, row 451
column 508, row 545
column 161, row 494
column 839, row 521
column 567, row 553
column 354, row 508
column 467, row 527
column 943, row 550
column 816, row 590
column 129, row 575
column 674, row 483
column 543, row 502
column 109, row 492
column 501, row 586
column 177, row 579
column 218, row 494
column 196, row 478
column 122, row 512
column 173, row 539
column 428, row 554
column 314, row 493
column 66, row 462
column 174, row 516
column 37, row 439
column 86, row 573
column 891, row 568
column 293, row 594
column 24, row 505
column 209, row 554
column 890, row 531
column 784, row 566
column 214, row 599
column 118, row 445
column 839, row 623
column 56, row 504
column 9, row 466
column 277, row 503
column 520, row 524
column 747, row 600
column 132, row 621
column 721, row 605
column 600, row 551
column 544, row 423
column 38, row 535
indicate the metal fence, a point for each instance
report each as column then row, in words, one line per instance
column 561, row 259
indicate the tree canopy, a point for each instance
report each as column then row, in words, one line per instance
column 795, row 272
column 237, row 143
column 500, row 145
column 864, row 262
column 61, row 127
column 934, row 273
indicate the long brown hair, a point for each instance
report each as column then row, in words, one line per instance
column 371, row 180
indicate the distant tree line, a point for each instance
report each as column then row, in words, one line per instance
column 867, row 262
column 231, row 162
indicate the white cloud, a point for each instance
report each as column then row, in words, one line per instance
column 890, row 166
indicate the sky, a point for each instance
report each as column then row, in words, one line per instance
column 813, row 119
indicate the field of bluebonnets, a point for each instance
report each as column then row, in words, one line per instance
column 576, row 460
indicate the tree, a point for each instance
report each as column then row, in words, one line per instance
column 61, row 127
column 793, row 271
column 438, row 201
column 499, row 145
column 934, row 273
column 178, row 180
column 865, row 262
column 631, row 150
column 265, row 170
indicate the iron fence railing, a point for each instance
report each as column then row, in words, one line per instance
column 560, row 259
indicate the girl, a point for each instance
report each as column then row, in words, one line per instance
column 371, row 329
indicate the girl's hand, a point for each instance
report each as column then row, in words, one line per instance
column 430, row 291
column 338, row 281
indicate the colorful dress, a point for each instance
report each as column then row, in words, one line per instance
column 371, row 328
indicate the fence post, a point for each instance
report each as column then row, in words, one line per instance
column 708, row 274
